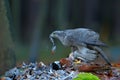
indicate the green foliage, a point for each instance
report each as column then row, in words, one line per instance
column 86, row 76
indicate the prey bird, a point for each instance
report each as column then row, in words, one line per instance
column 84, row 42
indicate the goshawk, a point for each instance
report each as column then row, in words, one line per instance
column 84, row 42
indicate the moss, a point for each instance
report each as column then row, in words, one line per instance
column 86, row 76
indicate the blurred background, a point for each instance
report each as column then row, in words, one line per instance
column 25, row 26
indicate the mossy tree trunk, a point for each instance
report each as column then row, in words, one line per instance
column 7, row 54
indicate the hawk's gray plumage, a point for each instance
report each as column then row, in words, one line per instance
column 79, row 39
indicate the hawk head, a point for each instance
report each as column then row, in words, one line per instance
column 58, row 35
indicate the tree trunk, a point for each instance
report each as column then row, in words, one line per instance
column 7, row 56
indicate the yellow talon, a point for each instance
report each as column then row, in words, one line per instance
column 77, row 61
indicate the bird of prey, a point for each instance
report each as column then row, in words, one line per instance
column 84, row 42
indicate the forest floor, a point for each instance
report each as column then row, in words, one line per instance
column 64, row 69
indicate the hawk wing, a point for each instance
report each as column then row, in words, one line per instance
column 82, row 36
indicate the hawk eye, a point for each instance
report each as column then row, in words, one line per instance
column 54, row 33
